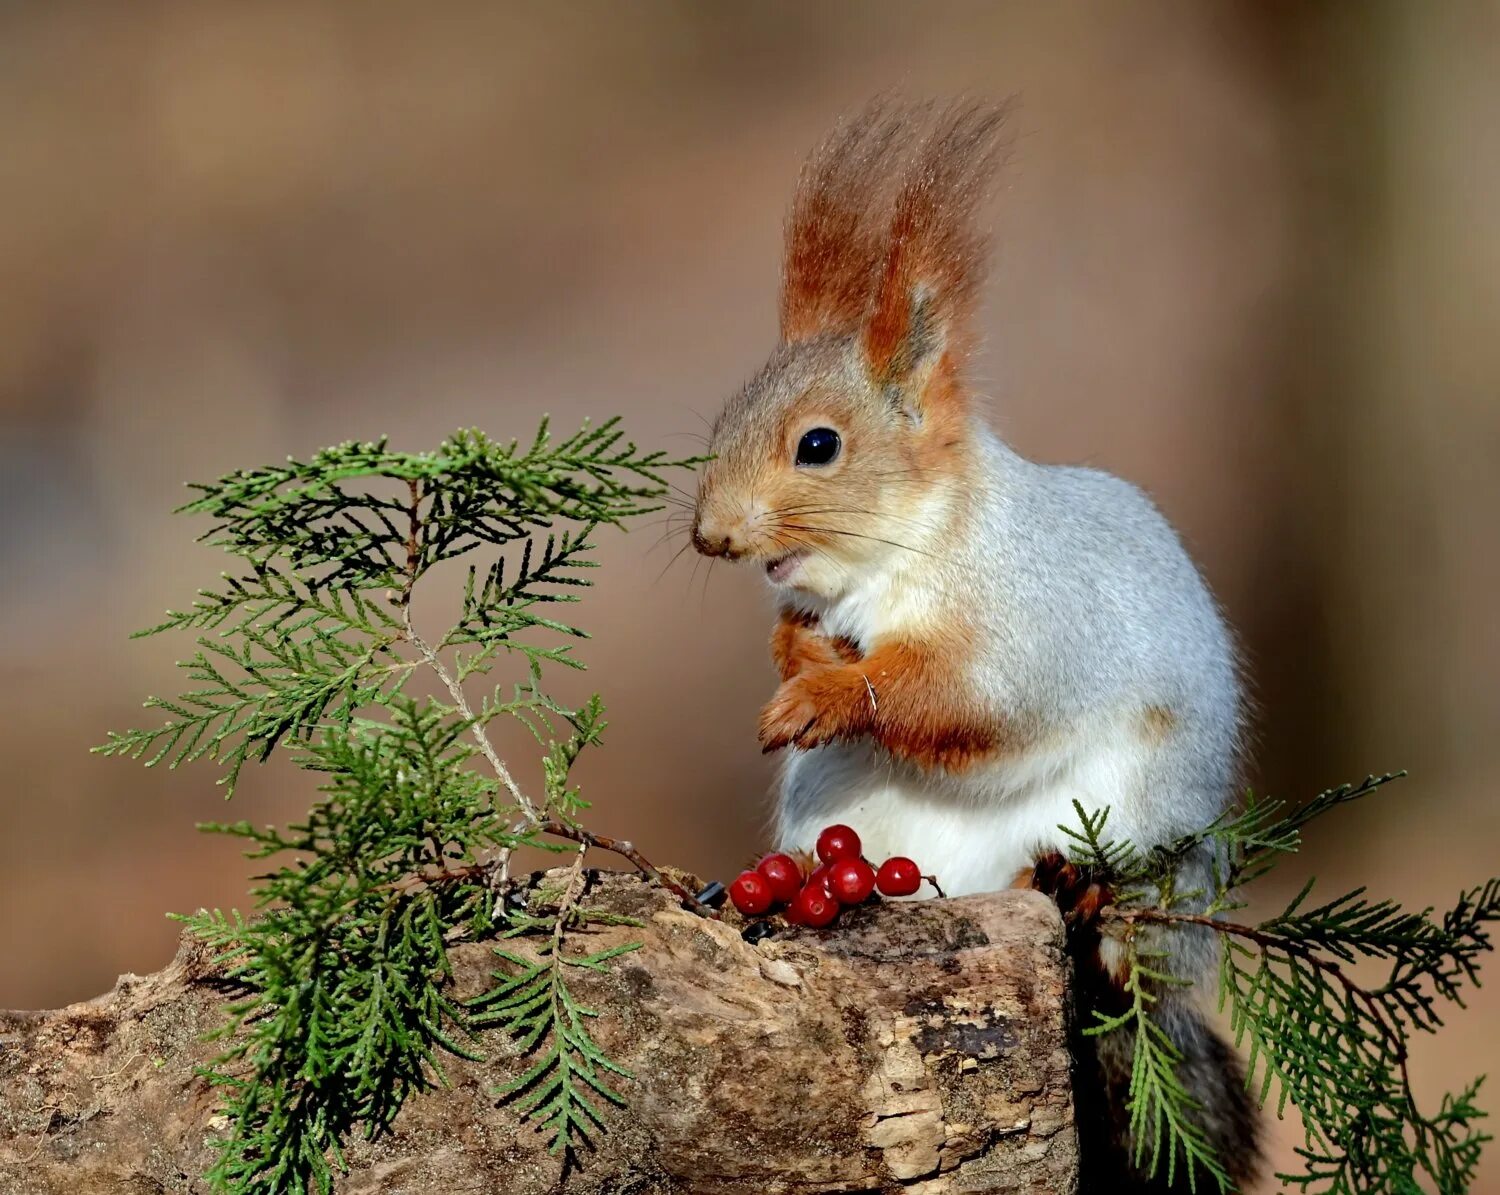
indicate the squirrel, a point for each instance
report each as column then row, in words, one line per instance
column 969, row 641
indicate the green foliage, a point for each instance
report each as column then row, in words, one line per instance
column 535, row 1005
column 345, row 1000
column 1318, row 1039
column 1162, row 1109
column 305, row 637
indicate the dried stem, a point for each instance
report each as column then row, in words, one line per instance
column 450, row 682
column 586, row 840
column 626, row 850
column 572, row 889
column 500, row 869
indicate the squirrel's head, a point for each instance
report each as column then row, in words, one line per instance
column 840, row 454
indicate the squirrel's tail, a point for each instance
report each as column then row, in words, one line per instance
column 1213, row 1075
column 1209, row 1068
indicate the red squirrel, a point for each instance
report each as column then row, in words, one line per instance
column 969, row 641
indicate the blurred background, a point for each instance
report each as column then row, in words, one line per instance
column 1247, row 255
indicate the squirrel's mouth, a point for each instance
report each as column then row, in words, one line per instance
column 781, row 569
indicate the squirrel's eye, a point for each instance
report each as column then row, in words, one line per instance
column 818, row 447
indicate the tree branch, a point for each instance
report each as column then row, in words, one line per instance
column 918, row 1045
column 1291, row 946
column 587, row 839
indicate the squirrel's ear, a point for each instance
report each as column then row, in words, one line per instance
column 918, row 325
column 904, row 344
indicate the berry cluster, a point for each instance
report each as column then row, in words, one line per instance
column 843, row 877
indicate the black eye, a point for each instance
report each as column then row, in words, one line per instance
column 818, row 447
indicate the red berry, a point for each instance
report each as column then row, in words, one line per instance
column 751, row 893
column 813, row 907
column 784, row 876
column 898, row 877
column 851, row 881
column 819, row 879
column 838, row 842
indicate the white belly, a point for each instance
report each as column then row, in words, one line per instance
column 976, row 831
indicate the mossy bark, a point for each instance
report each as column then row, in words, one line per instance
column 916, row 1047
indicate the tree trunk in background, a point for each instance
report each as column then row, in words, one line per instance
column 916, row 1047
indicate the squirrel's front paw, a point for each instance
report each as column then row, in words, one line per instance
column 798, row 647
column 814, row 708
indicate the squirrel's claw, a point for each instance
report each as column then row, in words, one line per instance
column 816, row 707
column 790, row 717
column 813, row 708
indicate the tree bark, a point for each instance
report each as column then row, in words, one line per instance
column 914, row 1047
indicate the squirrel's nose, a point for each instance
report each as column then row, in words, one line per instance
column 711, row 542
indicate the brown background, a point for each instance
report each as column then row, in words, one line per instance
column 1247, row 255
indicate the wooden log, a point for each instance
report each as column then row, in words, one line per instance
column 916, row 1047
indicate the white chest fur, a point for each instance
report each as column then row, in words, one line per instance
column 978, row 830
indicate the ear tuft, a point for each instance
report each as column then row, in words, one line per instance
column 881, row 239
column 835, row 233
column 933, row 255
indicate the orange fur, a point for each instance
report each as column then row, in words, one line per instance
column 925, row 296
column 797, row 646
column 834, row 234
column 881, row 236
column 1157, row 722
column 904, row 696
column 942, row 449
column 882, row 263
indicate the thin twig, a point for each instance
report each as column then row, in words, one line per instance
column 572, row 890
column 626, row 850
column 53, row 1115
column 498, row 869
column 461, row 703
column 531, row 816
column 586, row 839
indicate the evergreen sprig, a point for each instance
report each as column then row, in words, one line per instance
column 1163, row 1123
column 1319, row 1039
column 535, row 1005
column 346, row 1000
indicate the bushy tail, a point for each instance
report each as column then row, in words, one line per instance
column 1209, row 1068
column 1212, row 1073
